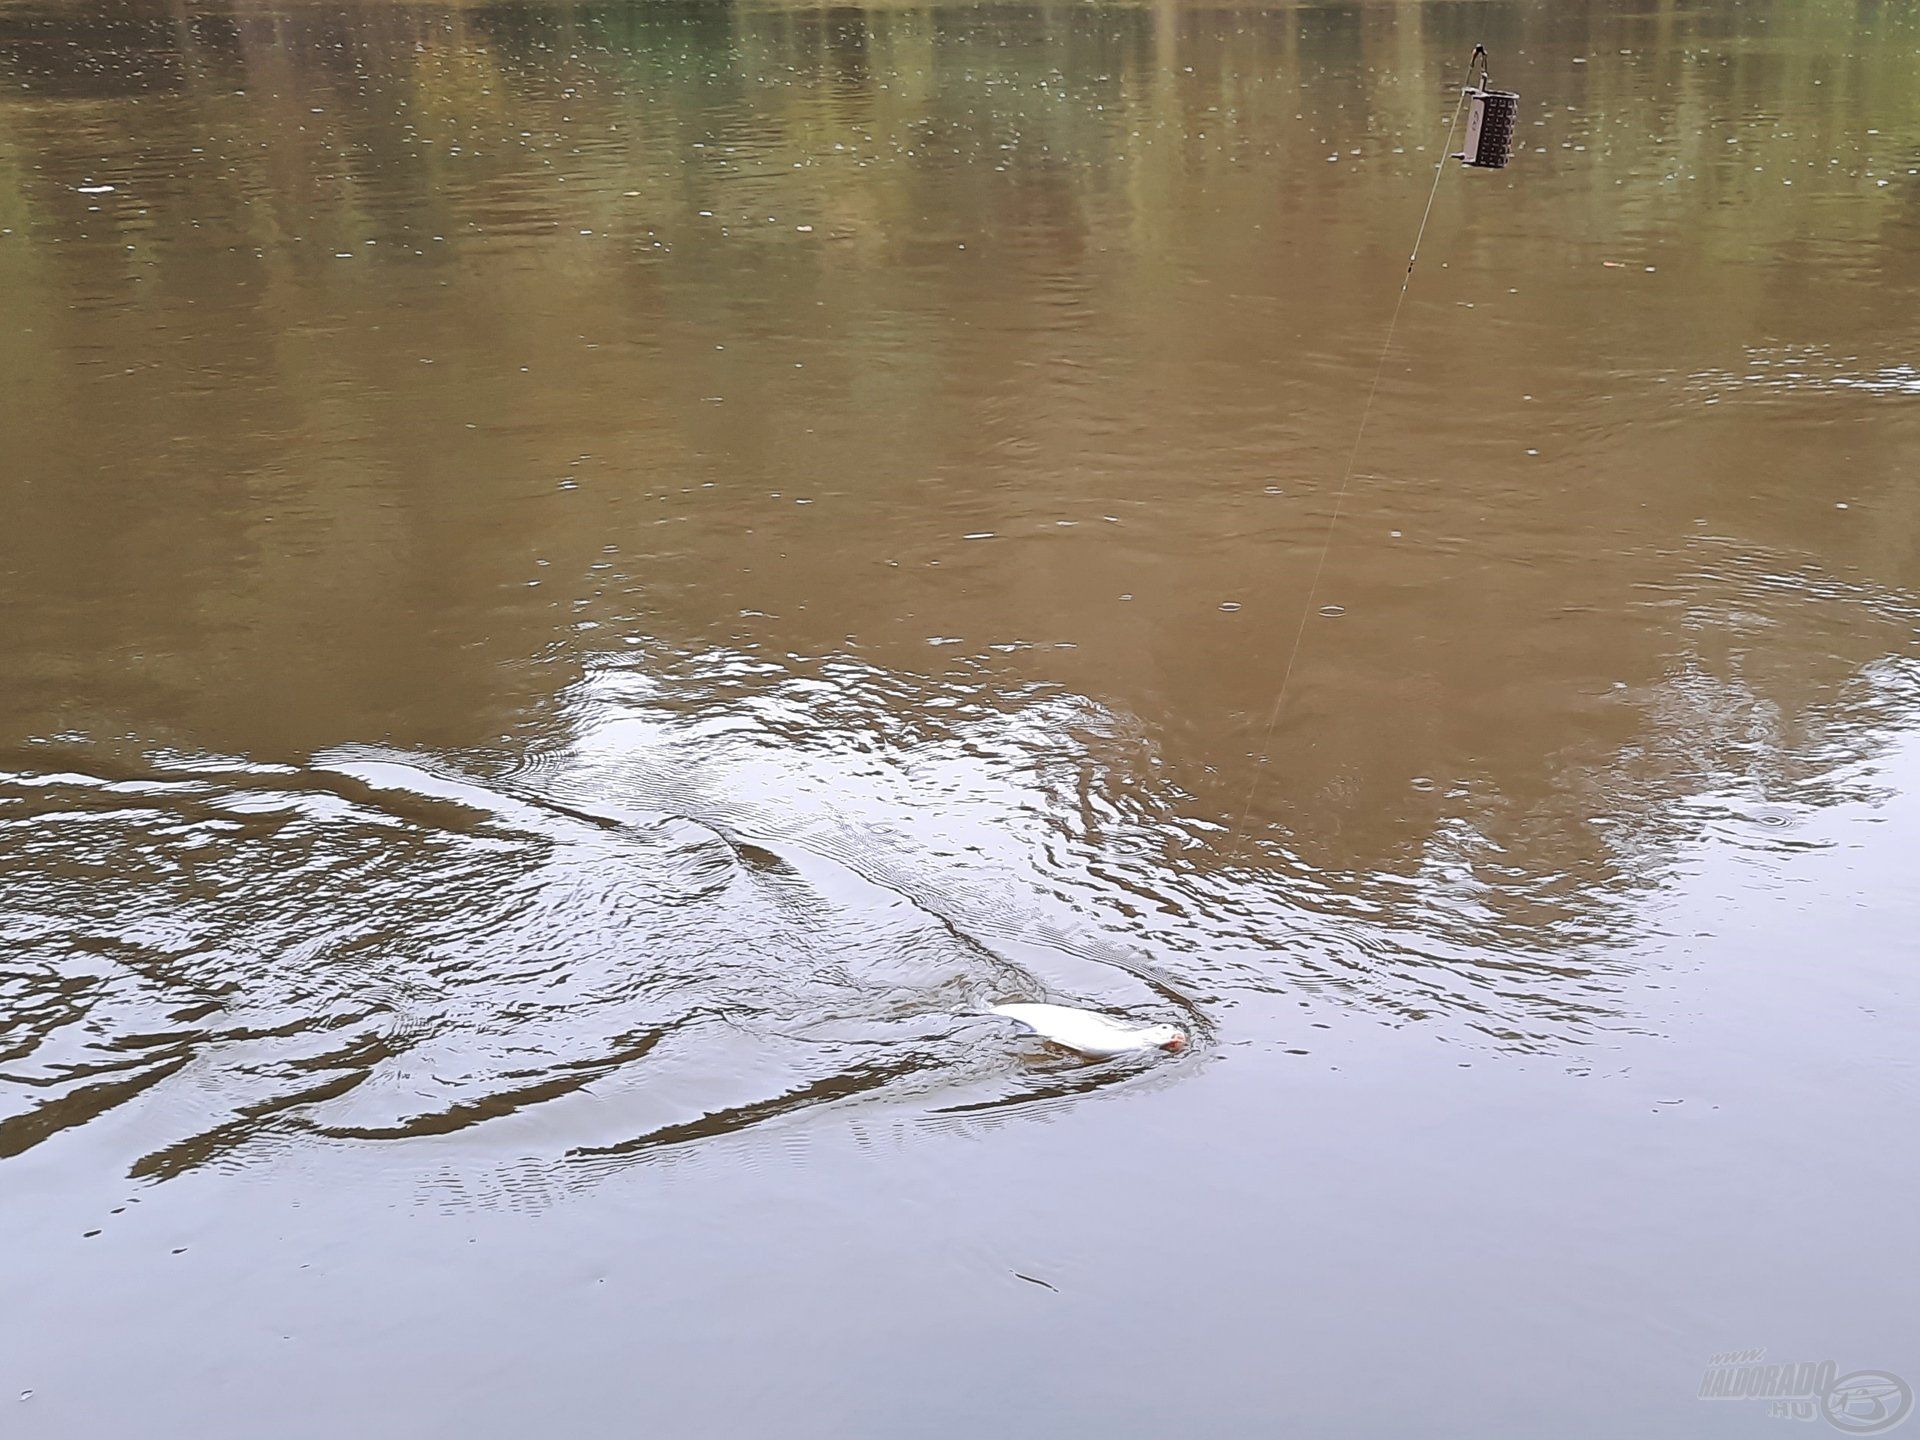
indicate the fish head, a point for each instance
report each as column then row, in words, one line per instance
column 1170, row 1038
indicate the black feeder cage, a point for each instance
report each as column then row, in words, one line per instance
column 1491, row 115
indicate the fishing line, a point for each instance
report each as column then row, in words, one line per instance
column 1475, row 155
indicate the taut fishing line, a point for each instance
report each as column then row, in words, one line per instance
column 1489, row 145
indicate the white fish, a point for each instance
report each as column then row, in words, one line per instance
column 1092, row 1033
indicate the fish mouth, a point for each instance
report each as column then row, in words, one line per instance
column 1175, row 1045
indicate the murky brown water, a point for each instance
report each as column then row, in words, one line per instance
column 582, row 582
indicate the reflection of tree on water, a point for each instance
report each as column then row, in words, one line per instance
column 287, row 499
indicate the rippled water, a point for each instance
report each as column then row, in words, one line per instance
column 583, row 583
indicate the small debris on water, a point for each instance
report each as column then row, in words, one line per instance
column 1331, row 611
column 1229, row 605
column 1031, row 1280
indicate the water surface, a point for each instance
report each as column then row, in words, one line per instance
column 583, row 582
